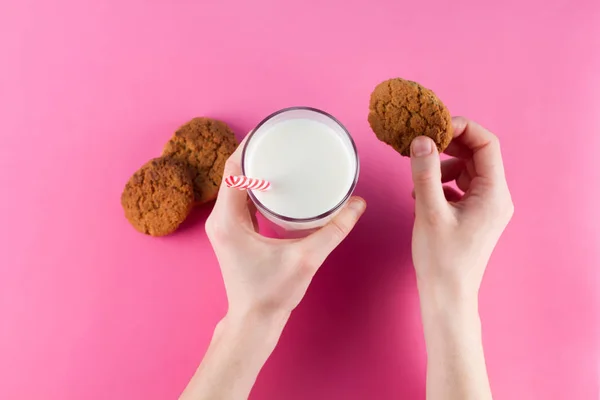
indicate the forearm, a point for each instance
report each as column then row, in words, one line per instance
column 239, row 348
column 455, row 358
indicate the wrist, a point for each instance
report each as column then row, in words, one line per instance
column 241, row 344
column 439, row 299
column 448, row 318
column 247, row 339
column 266, row 327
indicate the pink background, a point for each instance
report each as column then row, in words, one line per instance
column 90, row 90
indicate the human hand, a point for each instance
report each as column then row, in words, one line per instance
column 263, row 276
column 265, row 279
column 454, row 234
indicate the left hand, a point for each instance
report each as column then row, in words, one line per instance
column 265, row 276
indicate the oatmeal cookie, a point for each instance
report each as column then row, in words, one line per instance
column 158, row 197
column 401, row 110
column 204, row 144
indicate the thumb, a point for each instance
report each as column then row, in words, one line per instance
column 322, row 242
column 427, row 174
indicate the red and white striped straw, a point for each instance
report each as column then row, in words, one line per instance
column 244, row 183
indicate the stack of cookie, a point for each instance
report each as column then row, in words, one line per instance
column 161, row 194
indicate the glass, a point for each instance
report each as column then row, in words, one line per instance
column 286, row 225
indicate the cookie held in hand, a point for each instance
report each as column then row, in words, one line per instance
column 204, row 144
column 158, row 197
column 401, row 110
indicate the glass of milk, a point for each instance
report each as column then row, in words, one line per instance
column 312, row 163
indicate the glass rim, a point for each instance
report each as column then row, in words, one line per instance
column 327, row 213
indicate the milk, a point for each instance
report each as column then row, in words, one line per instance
column 311, row 163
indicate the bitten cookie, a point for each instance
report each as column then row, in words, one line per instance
column 158, row 197
column 204, row 144
column 401, row 110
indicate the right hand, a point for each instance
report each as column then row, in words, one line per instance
column 264, row 276
column 454, row 233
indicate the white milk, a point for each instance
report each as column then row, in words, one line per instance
column 310, row 162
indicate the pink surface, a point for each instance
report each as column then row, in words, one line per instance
column 89, row 90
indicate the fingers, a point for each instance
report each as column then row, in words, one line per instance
column 427, row 175
column 252, row 211
column 458, row 150
column 232, row 201
column 452, row 194
column 451, row 169
column 483, row 144
column 463, row 181
column 322, row 242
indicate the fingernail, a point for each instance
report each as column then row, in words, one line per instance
column 421, row 146
column 358, row 206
